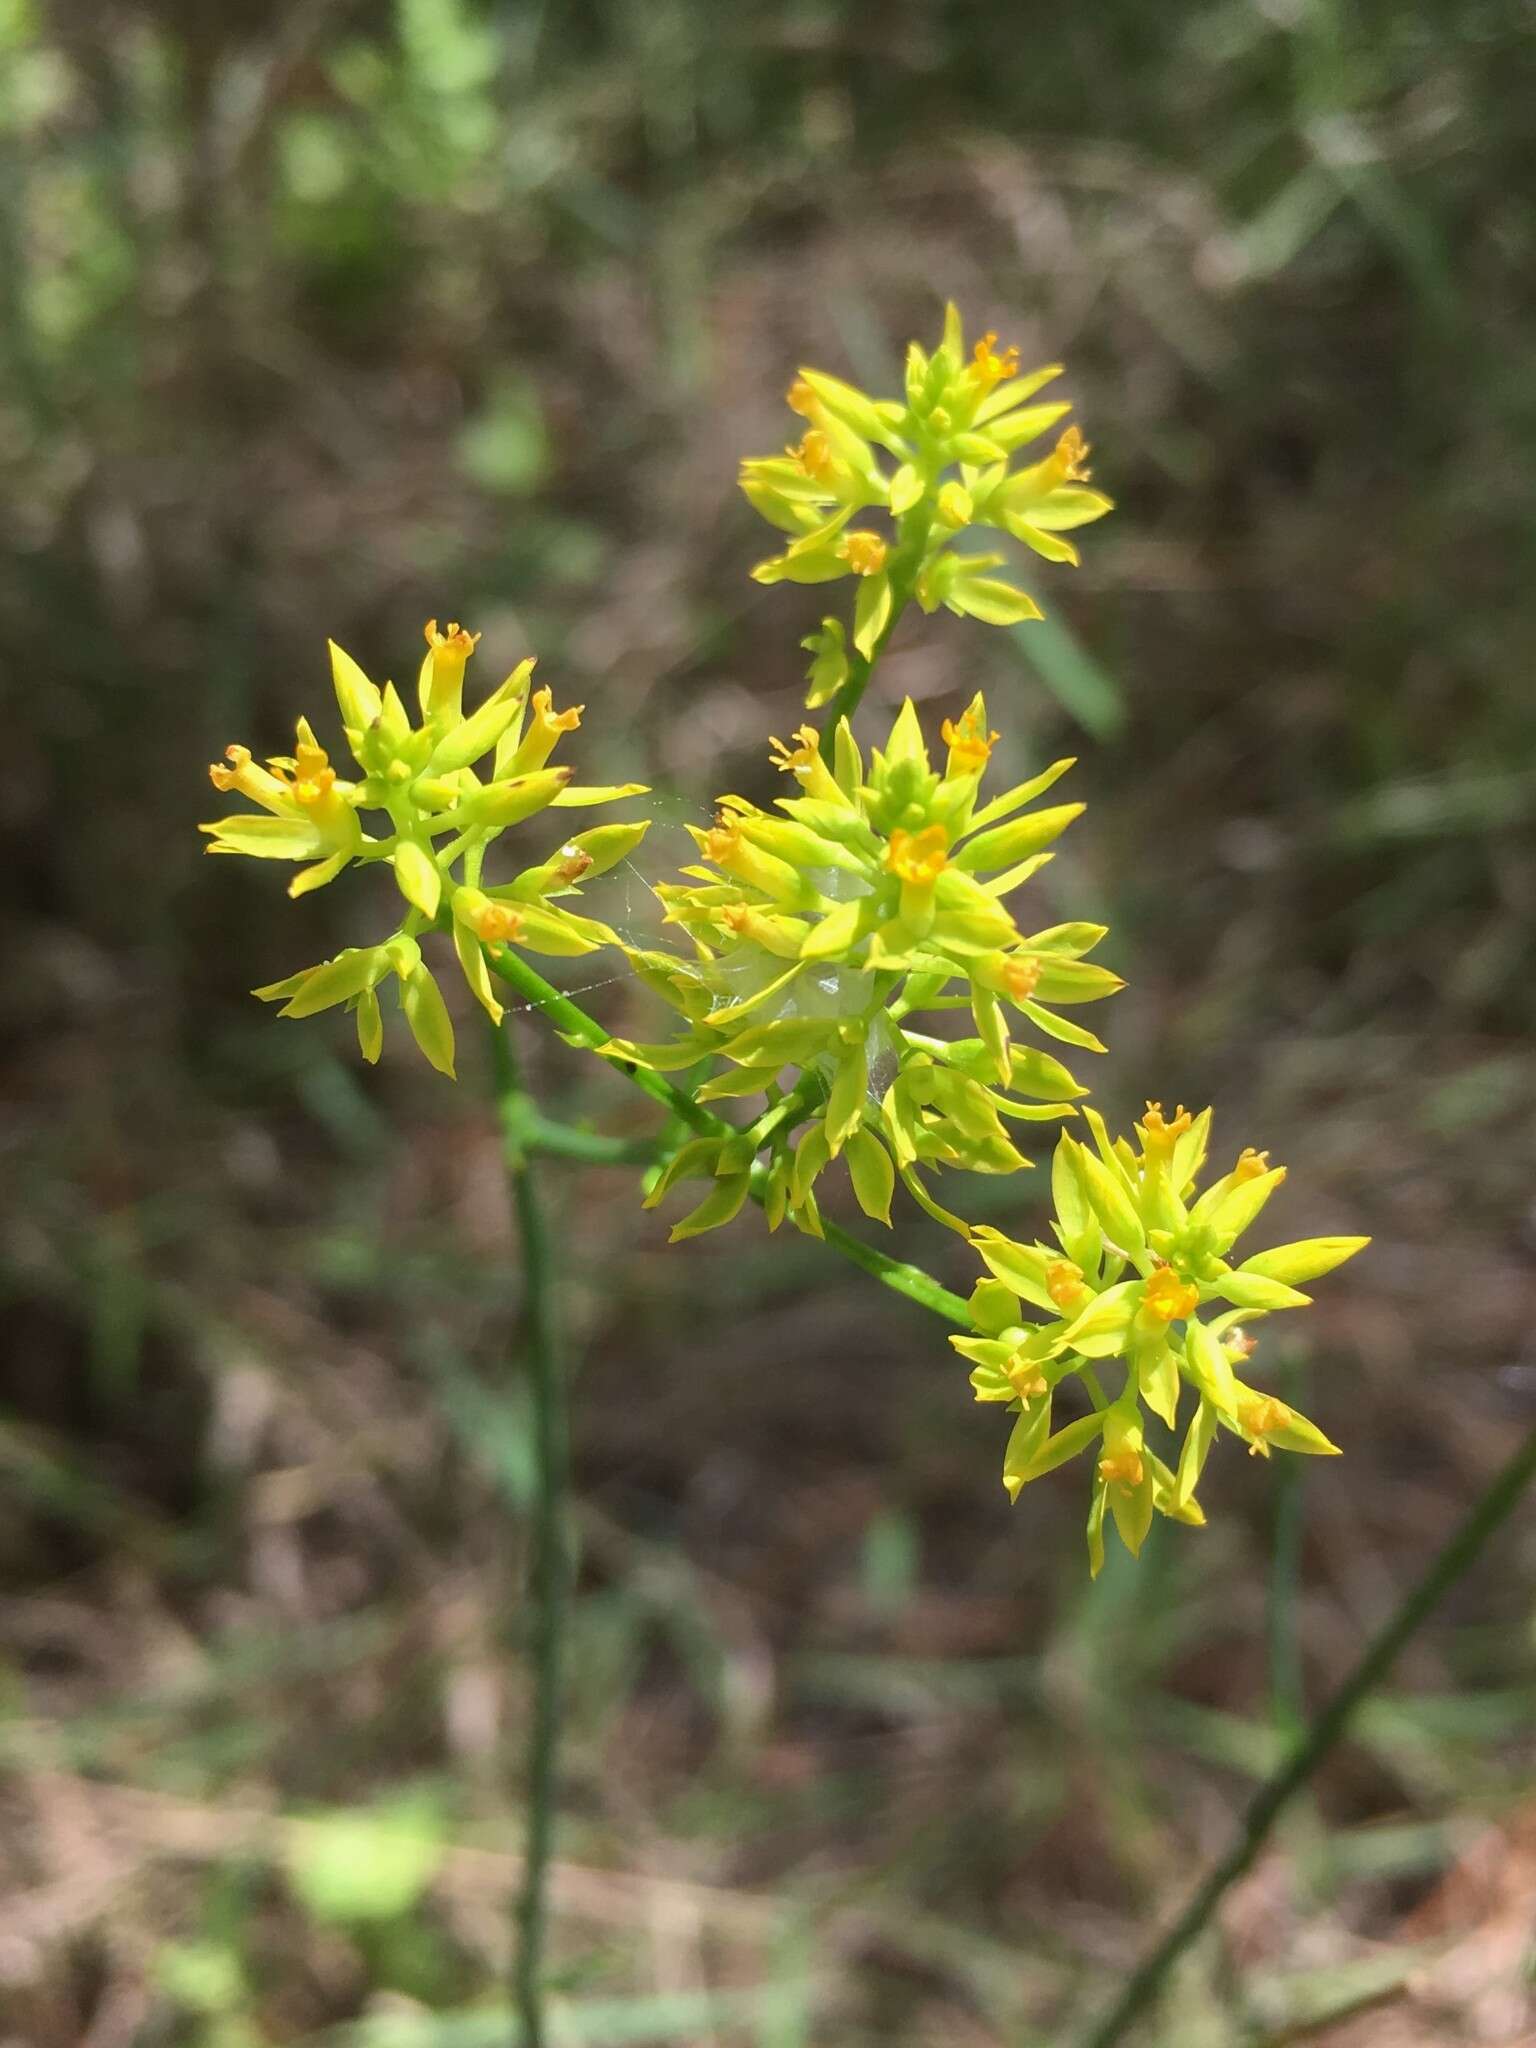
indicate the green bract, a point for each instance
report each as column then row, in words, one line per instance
column 441, row 817
column 822, row 929
column 1138, row 1255
column 930, row 467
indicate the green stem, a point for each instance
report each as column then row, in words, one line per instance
column 544, row 1138
column 906, row 563
column 573, row 1023
column 911, row 1281
column 1496, row 1504
column 550, row 1563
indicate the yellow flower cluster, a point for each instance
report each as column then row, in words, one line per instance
column 823, row 929
column 1138, row 1254
column 835, row 939
column 440, row 817
column 930, row 466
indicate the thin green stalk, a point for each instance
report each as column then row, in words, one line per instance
column 853, row 685
column 542, row 1137
column 1493, row 1508
column 905, row 566
column 550, row 1560
column 573, row 1023
column 911, row 1281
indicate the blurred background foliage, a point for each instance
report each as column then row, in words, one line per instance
column 328, row 316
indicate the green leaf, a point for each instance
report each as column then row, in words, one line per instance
column 1016, row 840
column 1099, row 1332
column 906, row 489
column 264, row 838
column 872, row 1174
column 1021, row 1268
column 1111, row 1202
column 1253, row 1290
column 427, row 1014
column 416, row 873
column 1198, row 1439
column 718, row 1207
column 334, row 981
column 871, row 613
column 850, row 1091
column 992, row 601
column 1308, row 1259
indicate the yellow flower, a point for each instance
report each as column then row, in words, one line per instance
column 442, row 673
column 865, row 553
column 1066, row 464
column 1168, row 1299
column 1160, row 1134
column 1027, row 1380
column 1020, row 976
column 1261, row 1417
column 1064, row 1283
column 259, row 784
column 544, row 729
column 970, row 748
column 814, row 455
column 494, row 922
column 722, row 840
column 1122, row 1468
column 988, row 368
column 798, row 760
column 919, row 857
column 313, row 776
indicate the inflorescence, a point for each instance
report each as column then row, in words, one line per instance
column 833, row 938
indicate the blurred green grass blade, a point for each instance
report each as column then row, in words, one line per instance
column 1293, row 2007
column 1277, row 234
column 1435, row 806
column 662, row 2018
column 1287, row 1687
column 1081, row 686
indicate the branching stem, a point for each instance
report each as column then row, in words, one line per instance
column 573, row 1023
column 1460, row 1551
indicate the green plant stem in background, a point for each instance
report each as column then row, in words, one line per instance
column 1490, row 1511
column 550, row 1559
column 543, row 1137
column 1286, row 1691
column 573, row 1023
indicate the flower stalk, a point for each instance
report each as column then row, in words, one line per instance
column 550, row 1573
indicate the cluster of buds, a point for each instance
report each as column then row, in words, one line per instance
column 1138, row 1256
column 925, row 469
column 824, row 928
column 440, row 816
